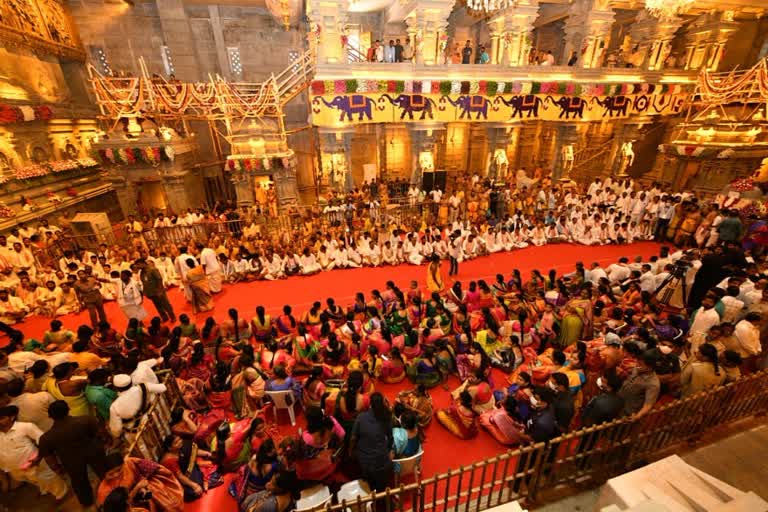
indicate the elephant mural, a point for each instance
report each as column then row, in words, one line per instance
column 614, row 105
column 569, row 105
column 410, row 103
column 348, row 105
column 468, row 104
column 529, row 103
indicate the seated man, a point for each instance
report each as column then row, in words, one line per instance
column 12, row 309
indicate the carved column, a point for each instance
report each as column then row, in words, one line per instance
column 426, row 22
column 328, row 20
column 652, row 38
column 598, row 38
column 518, row 20
column 706, row 38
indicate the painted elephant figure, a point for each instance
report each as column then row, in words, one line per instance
column 569, row 106
column 520, row 104
column 468, row 104
column 351, row 104
column 410, row 103
column 614, row 105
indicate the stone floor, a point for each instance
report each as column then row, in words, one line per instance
column 738, row 460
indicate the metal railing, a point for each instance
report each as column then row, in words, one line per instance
column 591, row 454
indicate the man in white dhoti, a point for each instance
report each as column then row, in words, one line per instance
column 180, row 263
column 129, row 296
column 210, row 263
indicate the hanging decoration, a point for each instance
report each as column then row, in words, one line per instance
column 251, row 164
column 135, row 156
column 18, row 114
column 485, row 7
column 667, row 9
column 743, row 185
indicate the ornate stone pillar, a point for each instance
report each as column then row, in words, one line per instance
column 517, row 28
column 328, row 20
column 653, row 38
column 706, row 38
column 286, row 188
column 598, row 38
column 588, row 32
column 426, row 22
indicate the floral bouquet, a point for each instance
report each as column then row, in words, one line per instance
column 63, row 165
column 31, row 171
column 5, row 211
column 87, row 162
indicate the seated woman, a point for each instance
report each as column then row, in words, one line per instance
column 398, row 319
column 311, row 318
column 281, row 381
column 186, row 461
column 280, row 494
column 475, row 359
column 417, row 401
column 408, row 342
column 200, row 364
column 446, row 357
column 460, row 420
column 334, row 358
column 393, row 367
column 188, row 328
column 481, row 392
column 57, row 339
column 407, row 438
column 107, row 341
column 350, row 401
column 248, row 388
column 234, row 443
column 271, row 356
column 149, row 484
column 319, row 444
column 431, row 332
column 503, row 423
column 425, row 369
column 261, row 325
column 235, row 329
column 286, row 324
column 521, row 390
column 314, row 389
column 220, row 387
column 254, row 476
column 306, row 350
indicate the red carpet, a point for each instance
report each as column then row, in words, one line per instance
column 442, row 450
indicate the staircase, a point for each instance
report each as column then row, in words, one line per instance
column 590, row 161
column 355, row 55
column 296, row 77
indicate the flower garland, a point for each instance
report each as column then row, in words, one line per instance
column 742, row 185
column 356, row 86
column 236, row 163
column 6, row 212
column 13, row 114
column 63, row 165
column 32, row 171
column 133, row 156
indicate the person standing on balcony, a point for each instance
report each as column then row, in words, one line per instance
column 370, row 56
column 407, row 50
column 389, row 52
column 483, row 58
column 466, row 53
column 574, row 58
column 549, row 59
column 398, row 51
column 379, row 52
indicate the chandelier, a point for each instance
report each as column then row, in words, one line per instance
column 488, row 6
column 668, row 8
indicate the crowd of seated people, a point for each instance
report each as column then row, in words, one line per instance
column 478, row 218
column 524, row 359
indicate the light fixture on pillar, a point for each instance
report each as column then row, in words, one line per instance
column 487, row 6
column 665, row 9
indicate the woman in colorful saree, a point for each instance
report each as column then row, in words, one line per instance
column 286, row 324
column 280, row 494
column 475, row 359
column 149, row 484
column 435, row 280
column 235, row 442
column 261, row 325
column 460, row 420
column 503, row 422
column 248, row 389
column 202, row 300
column 190, row 465
column 270, row 356
column 393, row 367
column 351, row 400
column 418, row 401
column 314, row 389
column 254, row 476
column 319, row 442
column 425, row 369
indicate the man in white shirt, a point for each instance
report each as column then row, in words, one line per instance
column 131, row 403
column 33, row 407
column 734, row 308
column 129, row 296
column 454, row 203
column 747, row 332
column 18, row 448
column 142, row 371
column 180, row 263
column 210, row 263
column 618, row 272
column 595, row 274
column 647, row 279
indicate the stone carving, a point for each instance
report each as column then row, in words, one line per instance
column 39, row 25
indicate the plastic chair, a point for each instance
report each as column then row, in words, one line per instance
column 408, row 465
column 350, row 491
column 284, row 400
column 316, row 496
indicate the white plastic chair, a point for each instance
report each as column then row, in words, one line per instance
column 313, row 497
column 282, row 401
column 350, row 491
column 408, row 465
